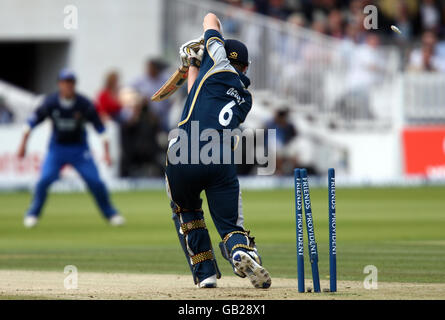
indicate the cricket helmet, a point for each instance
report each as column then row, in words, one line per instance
column 236, row 51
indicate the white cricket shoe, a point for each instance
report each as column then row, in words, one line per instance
column 30, row 221
column 209, row 282
column 247, row 264
column 117, row 220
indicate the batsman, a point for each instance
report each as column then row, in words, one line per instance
column 218, row 99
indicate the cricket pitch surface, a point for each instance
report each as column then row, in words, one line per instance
column 18, row 284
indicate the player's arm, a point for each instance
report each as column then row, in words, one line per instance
column 211, row 21
column 214, row 51
column 23, row 142
column 35, row 119
column 94, row 118
column 191, row 54
column 193, row 74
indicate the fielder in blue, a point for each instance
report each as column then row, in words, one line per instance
column 69, row 112
column 218, row 99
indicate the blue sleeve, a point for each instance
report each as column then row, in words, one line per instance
column 93, row 117
column 40, row 113
column 214, row 50
column 212, row 33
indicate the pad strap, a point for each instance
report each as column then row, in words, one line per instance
column 177, row 209
column 250, row 240
column 242, row 246
column 246, row 233
column 202, row 256
column 192, row 225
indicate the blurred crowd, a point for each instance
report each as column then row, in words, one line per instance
column 421, row 21
column 341, row 77
column 333, row 17
column 143, row 125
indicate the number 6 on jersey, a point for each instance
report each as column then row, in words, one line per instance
column 226, row 110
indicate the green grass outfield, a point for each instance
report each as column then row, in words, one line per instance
column 399, row 230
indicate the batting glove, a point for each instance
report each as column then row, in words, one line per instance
column 193, row 49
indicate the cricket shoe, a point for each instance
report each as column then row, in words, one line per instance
column 209, row 282
column 117, row 220
column 246, row 262
column 30, row 221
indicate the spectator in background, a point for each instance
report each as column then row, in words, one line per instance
column 277, row 9
column 289, row 47
column 335, row 24
column 262, row 6
column 142, row 154
column 297, row 19
column 426, row 58
column 429, row 15
column 402, row 19
column 148, row 84
column 319, row 25
column 366, row 64
column 352, row 33
column 366, row 70
column 285, row 134
column 107, row 102
column 355, row 12
column 6, row 115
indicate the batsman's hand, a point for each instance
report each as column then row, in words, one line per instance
column 191, row 49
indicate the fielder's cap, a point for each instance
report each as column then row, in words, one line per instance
column 236, row 51
column 66, row 74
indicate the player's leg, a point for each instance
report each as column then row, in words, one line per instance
column 184, row 191
column 85, row 166
column 238, row 247
column 49, row 173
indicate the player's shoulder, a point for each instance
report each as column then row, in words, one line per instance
column 51, row 97
column 233, row 79
column 243, row 83
column 50, row 100
column 212, row 34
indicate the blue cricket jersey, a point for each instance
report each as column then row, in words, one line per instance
column 68, row 120
column 219, row 98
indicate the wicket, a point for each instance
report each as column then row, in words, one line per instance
column 332, row 232
column 302, row 199
column 299, row 224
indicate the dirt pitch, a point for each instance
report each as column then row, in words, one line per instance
column 49, row 285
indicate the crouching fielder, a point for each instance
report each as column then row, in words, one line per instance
column 218, row 99
column 69, row 112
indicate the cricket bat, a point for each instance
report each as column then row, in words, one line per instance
column 172, row 84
